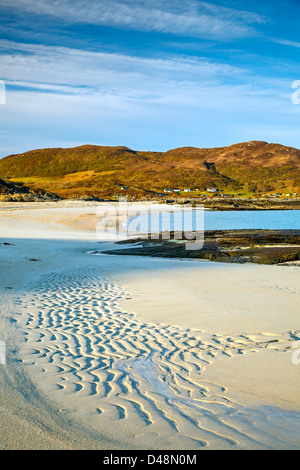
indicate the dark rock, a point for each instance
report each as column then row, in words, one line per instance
column 227, row 246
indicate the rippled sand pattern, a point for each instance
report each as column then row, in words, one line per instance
column 141, row 382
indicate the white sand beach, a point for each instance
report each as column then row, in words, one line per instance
column 125, row 352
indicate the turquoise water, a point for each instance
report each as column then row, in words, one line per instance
column 264, row 219
column 217, row 220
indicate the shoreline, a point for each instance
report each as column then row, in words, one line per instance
column 232, row 203
column 242, row 203
column 198, row 314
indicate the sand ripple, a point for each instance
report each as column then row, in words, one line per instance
column 142, row 383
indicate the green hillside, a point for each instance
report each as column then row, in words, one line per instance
column 97, row 171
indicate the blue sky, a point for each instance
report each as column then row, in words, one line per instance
column 148, row 74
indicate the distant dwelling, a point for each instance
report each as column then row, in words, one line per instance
column 172, row 190
column 227, row 195
column 124, row 188
column 187, row 190
column 211, row 190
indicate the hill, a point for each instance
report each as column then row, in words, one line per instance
column 96, row 171
column 18, row 192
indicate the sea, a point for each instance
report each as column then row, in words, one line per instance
column 199, row 219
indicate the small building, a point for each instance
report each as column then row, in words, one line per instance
column 172, row 190
column 211, row 190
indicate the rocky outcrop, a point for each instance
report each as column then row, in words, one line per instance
column 229, row 246
column 19, row 193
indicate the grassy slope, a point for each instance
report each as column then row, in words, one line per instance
column 101, row 171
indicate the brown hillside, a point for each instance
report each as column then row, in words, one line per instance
column 85, row 171
column 18, row 192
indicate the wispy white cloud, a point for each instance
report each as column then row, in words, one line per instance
column 248, row 17
column 170, row 115
column 286, row 42
column 47, row 87
column 124, row 82
column 186, row 17
column 62, row 94
column 80, row 71
column 128, row 83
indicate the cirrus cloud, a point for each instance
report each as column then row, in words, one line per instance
column 186, row 17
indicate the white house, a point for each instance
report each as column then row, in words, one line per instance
column 211, row 190
column 169, row 190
